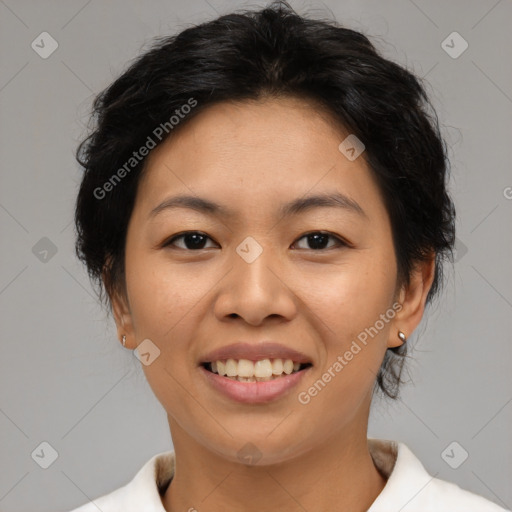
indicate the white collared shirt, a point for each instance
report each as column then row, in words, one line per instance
column 409, row 488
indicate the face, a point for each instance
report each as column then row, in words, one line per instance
column 314, row 279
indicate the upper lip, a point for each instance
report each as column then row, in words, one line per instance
column 255, row 352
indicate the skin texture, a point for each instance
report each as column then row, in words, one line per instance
column 252, row 157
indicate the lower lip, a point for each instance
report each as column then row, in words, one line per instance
column 254, row 392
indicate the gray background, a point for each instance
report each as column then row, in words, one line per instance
column 64, row 377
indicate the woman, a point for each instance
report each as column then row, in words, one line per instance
column 264, row 207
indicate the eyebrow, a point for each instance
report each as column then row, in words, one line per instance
column 295, row 207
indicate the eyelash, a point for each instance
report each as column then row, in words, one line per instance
column 340, row 241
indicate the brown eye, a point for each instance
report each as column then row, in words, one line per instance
column 193, row 240
column 319, row 239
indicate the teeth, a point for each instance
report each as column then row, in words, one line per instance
column 277, row 366
column 231, row 368
column 245, row 370
column 288, row 366
column 263, row 368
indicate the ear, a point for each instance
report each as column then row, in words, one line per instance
column 413, row 298
column 122, row 315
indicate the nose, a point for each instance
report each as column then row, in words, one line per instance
column 255, row 290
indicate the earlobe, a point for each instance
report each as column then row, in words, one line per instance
column 122, row 317
column 397, row 339
column 120, row 311
column 413, row 299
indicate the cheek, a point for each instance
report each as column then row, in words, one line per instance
column 162, row 295
column 354, row 304
column 351, row 297
column 164, row 304
column 164, row 310
column 354, row 338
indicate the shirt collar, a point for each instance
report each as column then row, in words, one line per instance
column 404, row 473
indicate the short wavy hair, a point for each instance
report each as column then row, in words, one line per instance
column 272, row 52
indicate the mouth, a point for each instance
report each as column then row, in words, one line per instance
column 254, row 373
column 260, row 370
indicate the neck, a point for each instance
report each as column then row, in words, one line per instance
column 340, row 471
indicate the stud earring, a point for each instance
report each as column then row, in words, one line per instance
column 401, row 335
column 124, row 340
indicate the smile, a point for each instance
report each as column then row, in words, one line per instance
column 245, row 370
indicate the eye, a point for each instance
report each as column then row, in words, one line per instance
column 193, row 240
column 318, row 239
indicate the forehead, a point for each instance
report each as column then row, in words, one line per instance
column 244, row 153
